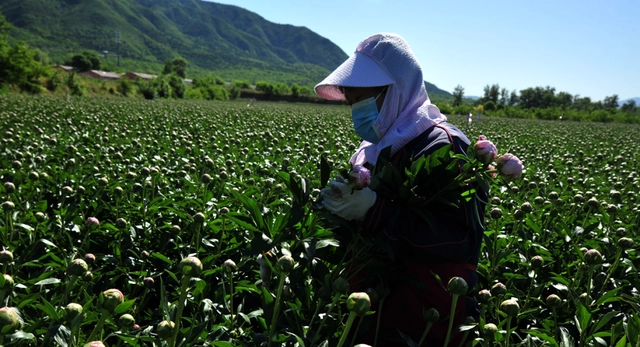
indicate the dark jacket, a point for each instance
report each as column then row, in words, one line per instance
column 424, row 259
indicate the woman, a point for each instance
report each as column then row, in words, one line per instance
column 383, row 83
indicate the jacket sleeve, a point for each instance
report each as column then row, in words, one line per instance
column 454, row 234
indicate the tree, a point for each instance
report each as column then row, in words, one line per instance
column 491, row 93
column 610, row 102
column 629, row 106
column 564, row 100
column 295, row 90
column 177, row 66
column 504, row 97
column 85, row 61
column 458, row 94
column 513, row 99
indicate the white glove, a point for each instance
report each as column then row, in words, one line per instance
column 346, row 202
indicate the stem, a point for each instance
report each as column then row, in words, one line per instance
column 72, row 281
column 345, row 332
column 355, row 334
column 555, row 325
column 315, row 314
column 183, row 297
column 454, row 302
column 276, row 308
column 424, row 334
column 231, row 298
column 612, row 269
column 375, row 340
column 98, row 328
column 333, row 304
column 589, row 283
column 508, row 338
column 197, row 241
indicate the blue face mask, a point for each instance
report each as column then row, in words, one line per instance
column 364, row 113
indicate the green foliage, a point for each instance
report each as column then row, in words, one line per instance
column 458, row 94
column 176, row 66
column 75, row 88
column 85, row 61
column 55, row 81
column 125, row 87
column 234, row 92
column 147, row 89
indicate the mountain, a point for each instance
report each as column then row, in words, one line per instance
column 622, row 102
column 227, row 40
column 210, row 36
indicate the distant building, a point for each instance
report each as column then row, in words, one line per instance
column 63, row 67
column 188, row 81
column 103, row 75
column 142, row 76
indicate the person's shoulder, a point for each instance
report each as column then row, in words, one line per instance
column 435, row 138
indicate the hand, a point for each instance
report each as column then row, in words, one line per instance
column 342, row 200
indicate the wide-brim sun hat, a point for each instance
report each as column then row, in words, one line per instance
column 358, row 71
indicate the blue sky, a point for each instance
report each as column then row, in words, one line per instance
column 588, row 47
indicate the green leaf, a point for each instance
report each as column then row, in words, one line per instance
column 162, row 257
column 565, row 338
column 47, row 308
column 62, row 335
column 48, row 281
column 124, row 307
column 253, row 208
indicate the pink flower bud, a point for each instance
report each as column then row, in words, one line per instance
column 93, row 221
column 359, row 177
column 486, row 151
column 509, row 166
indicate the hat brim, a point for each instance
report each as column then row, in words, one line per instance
column 357, row 71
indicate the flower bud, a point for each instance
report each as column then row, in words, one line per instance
column 496, row 213
column 199, row 217
column 553, row 301
column 206, row 178
column 126, row 321
column 489, row 331
column 9, row 187
column 457, row 286
column 87, row 277
column 340, row 285
column 486, row 151
column 90, row 258
column 8, row 206
column 6, row 256
column 498, row 289
column 72, row 310
column 431, row 315
column 39, row 216
column 110, row 299
column 93, row 221
column 165, row 329
column 625, row 243
column 592, row 257
column 9, row 321
column 509, row 166
column 94, row 344
column 484, row 296
column 78, row 267
column 8, row 282
column 230, row 265
column 121, row 223
column 359, row 303
column 149, row 282
column 285, row 264
column 190, row 266
column 510, row 307
column 537, row 262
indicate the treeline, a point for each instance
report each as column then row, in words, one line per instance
column 542, row 103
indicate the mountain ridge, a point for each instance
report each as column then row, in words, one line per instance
column 224, row 39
